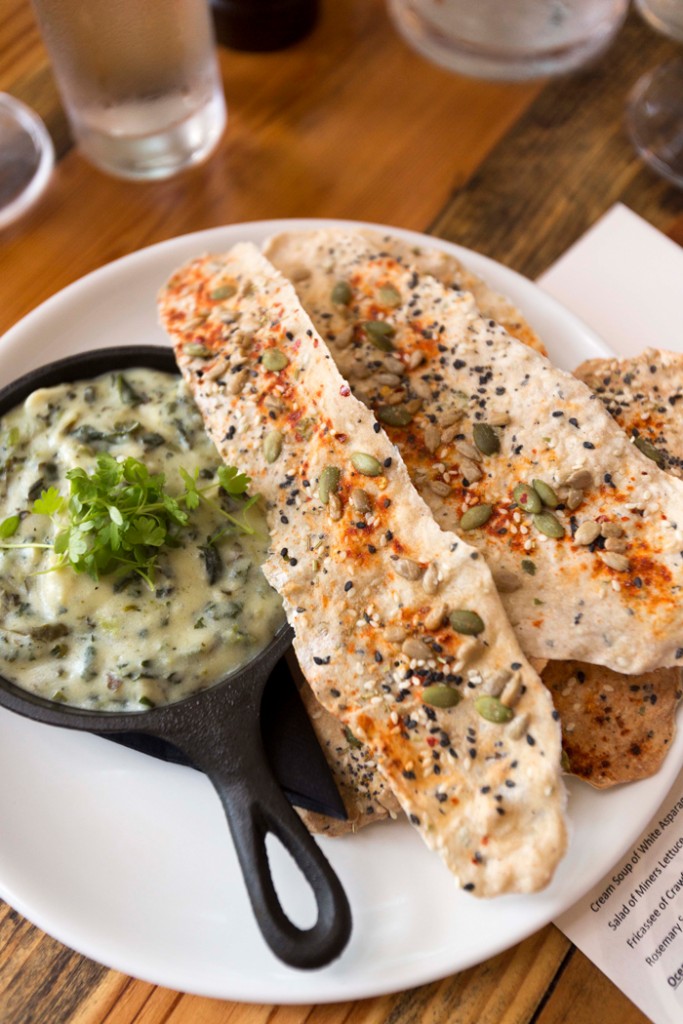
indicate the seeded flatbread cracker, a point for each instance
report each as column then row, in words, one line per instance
column 619, row 729
column 615, row 728
column 479, row 418
column 441, row 265
column 366, row 796
column 399, row 629
column 643, row 396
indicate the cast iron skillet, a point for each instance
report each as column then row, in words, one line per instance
column 218, row 729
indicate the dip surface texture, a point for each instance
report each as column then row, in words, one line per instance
column 113, row 644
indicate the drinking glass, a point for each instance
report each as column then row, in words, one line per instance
column 654, row 111
column 139, row 80
column 509, row 39
column 26, row 158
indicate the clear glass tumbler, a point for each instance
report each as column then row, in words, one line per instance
column 654, row 110
column 26, row 159
column 509, row 39
column 139, row 80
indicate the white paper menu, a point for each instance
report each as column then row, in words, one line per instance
column 625, row 280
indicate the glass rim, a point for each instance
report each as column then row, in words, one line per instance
column 31, row 125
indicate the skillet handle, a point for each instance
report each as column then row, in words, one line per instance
column 255, row 806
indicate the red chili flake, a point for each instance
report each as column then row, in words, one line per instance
column 345, row 390
column 432, row 741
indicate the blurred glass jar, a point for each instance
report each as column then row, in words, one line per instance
column 509, row 39
column 139, row 80
column 664, row 15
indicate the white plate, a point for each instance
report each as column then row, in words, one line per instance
column 129, row 861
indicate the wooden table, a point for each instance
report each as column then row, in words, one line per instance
column 348, row 123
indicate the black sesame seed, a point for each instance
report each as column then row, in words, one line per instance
column 348, row 585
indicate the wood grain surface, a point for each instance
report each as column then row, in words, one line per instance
column 347, row 123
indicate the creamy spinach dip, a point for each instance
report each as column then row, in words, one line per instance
column 113, row 643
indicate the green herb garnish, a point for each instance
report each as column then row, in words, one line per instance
column 118, row 517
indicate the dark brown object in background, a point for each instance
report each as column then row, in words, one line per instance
column 261, row 25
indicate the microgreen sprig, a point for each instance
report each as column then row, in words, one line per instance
column 119, row 516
